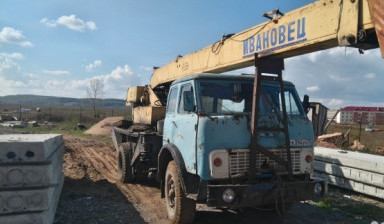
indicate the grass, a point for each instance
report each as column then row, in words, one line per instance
column 371, row 140
column 359, row 212
column 64, row 120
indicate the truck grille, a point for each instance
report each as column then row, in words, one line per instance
column 239, row 162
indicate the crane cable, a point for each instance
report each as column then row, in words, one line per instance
column 216, row 47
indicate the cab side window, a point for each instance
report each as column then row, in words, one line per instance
column 172, row 101
column 186, row 102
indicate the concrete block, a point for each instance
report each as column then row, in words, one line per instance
column 351, row 185
column 32, row 174
column 364, row 161
column 351, row 173
column 28, row 148
column 31, row 177
column 30, row 200
column 39, row 217
column 23, row 201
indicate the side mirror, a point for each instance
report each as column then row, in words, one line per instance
column 306, row 105
column 188, row 101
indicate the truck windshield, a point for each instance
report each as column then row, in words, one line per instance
column 270, row 101
column 236, row 97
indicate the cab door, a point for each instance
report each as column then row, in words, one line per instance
column 180, row 123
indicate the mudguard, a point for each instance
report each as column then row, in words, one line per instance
column 167, row 153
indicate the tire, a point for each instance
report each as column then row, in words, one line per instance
column 124, row 169
column 180, row 209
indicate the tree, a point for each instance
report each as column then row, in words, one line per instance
column 95, row 92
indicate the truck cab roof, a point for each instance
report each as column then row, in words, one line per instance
column 245, row 77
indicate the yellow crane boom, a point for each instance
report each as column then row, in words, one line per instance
column 321, row 25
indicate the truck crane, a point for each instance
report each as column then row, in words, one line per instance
column 233, row 141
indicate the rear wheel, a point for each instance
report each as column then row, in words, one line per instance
column 124, row 169
column 180, row 208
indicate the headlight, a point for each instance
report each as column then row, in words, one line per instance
column 228, row 195
column 318, row 189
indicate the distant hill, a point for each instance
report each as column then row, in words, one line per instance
column 46, row 101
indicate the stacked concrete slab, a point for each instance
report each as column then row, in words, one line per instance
column 355, row 171
column 31, row 177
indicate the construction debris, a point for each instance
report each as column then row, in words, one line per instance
column 357, row 145
column 334, row 140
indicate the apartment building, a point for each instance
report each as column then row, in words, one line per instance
column 365, row 115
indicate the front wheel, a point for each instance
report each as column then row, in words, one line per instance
column 124, row 169
column 180, row 208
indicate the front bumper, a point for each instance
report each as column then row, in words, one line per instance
column 264, row 194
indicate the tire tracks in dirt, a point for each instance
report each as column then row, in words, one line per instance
column 94, row 160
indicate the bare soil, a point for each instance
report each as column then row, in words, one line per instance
column 103, row 127
column 92, row 194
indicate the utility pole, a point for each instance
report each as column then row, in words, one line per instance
column 19, row 112
column 360, row 121
column 80, row 114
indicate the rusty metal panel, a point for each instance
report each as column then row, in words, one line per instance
column 148, row 114
column 134, row 94
column 348, row 23
column 377, row 13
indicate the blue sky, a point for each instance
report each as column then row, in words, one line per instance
column 55, row 47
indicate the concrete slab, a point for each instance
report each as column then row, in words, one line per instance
column 363, row 161
column 31, row 174
column 39, row 217
column 31, row 177
column 28, row 148
column 31, row 200
column 356, row 174
column 23, row 201
column 351, row 185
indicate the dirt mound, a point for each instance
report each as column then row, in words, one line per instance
column 104, row 126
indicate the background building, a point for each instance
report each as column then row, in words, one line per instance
column 367, row 115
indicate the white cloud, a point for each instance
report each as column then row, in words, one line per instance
column 10, row 84
column 314, row 56
column 71, row 22
column 147, row 69
column 120, row 79
column 339, row 77
column 49, row 23
column 9, row 35
column 12, row 55
column 30, row 76
column 7, row 61
column 55, row 84
column 344, row 76
column 115, row 83
column 313, row 88
column 335, row 102
column 90, row 67
column 370, row 75
column 56, row 72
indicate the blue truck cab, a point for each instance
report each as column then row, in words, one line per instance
column 207, row 123
column 201, row 152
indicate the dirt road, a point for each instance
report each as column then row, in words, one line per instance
column 91, row 194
